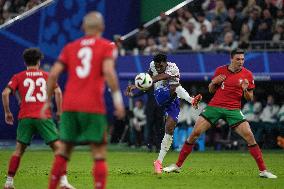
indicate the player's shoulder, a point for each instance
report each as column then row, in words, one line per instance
column 246, row 71
column 44, row 72
column 20, row 74
column 222, row 68
column 172, row 65
column 104, row 42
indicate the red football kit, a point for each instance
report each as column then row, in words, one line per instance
column 83, row 60
column 229, row 93
column 31, row 86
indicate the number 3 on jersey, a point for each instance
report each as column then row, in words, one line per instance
column 85, row 54
column 40, row 82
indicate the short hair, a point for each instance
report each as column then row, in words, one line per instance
column 160, row 58
column 236, row 51
column 32, row 56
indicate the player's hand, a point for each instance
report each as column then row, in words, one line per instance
column 9, row 119
column 45, row 107
column 245, row 84
column 218, row 79
column 58, row 114
column 119, row 111
column 196, row 100
column 129, row 90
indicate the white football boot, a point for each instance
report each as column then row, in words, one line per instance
column 172, row 168
column 267, row 174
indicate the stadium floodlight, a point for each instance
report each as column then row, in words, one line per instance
column 26, row 14
column 168, row 12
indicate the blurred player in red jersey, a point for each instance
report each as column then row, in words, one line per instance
column 229, row 84
column 31, row 87
column 89, row 62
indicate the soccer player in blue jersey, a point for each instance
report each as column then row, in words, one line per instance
column 167, row 93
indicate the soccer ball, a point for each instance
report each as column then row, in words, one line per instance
column 143, row 81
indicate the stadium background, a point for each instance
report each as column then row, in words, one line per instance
column 51, row 27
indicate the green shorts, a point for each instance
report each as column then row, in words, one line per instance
column 28, row 127
column 232, row 117
column 83, row 128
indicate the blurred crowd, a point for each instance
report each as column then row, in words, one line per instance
column 212, row 24
column 12, row 8
column 144, row 127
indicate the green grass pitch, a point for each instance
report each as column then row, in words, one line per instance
column 133, row 170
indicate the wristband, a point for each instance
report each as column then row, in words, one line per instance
column 117, row 98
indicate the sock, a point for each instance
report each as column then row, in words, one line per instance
column 257, row 155
column 185, row 151
column 183, row 94
column 100, row 174
column 165, row 146
column 63, row 178
column 56, row 171
column 13, row 165
column 10, row 180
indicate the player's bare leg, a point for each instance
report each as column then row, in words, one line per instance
column 99, row 170
column 14, row 164
column 64, row 184
column 244, row 131
column 200, row 127
column 59, row 164
column 165, row 145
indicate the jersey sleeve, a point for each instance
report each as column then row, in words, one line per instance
column 13, row 83
column 152, row 67
column 110, row 51
column 251, row 81
column 172, row 70
column 217, row 72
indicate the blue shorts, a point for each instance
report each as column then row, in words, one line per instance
column 168, row 103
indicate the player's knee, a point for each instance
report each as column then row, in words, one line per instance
column 19, row 152
column 170, row 130
column 196, row 133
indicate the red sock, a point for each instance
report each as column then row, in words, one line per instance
column 64, row 169
column 100, row 174
column 257, row 155
column 56, row 171
column 13, row 165
column 185, row 151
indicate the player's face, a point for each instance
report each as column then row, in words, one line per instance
column 160, row 67
column 238, row 61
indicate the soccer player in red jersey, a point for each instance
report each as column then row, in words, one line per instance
column 229, row 84
column 31, row 87
column 89, row 62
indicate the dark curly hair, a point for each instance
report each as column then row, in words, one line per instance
column 160, row 58
column 32, row 56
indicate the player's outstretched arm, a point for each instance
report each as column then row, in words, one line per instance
column 9, row 119
column 160, row 77
column 54, row 73
column 112, row 82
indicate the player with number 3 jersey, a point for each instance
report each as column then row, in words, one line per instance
column 89, row 63
column 30, row 85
